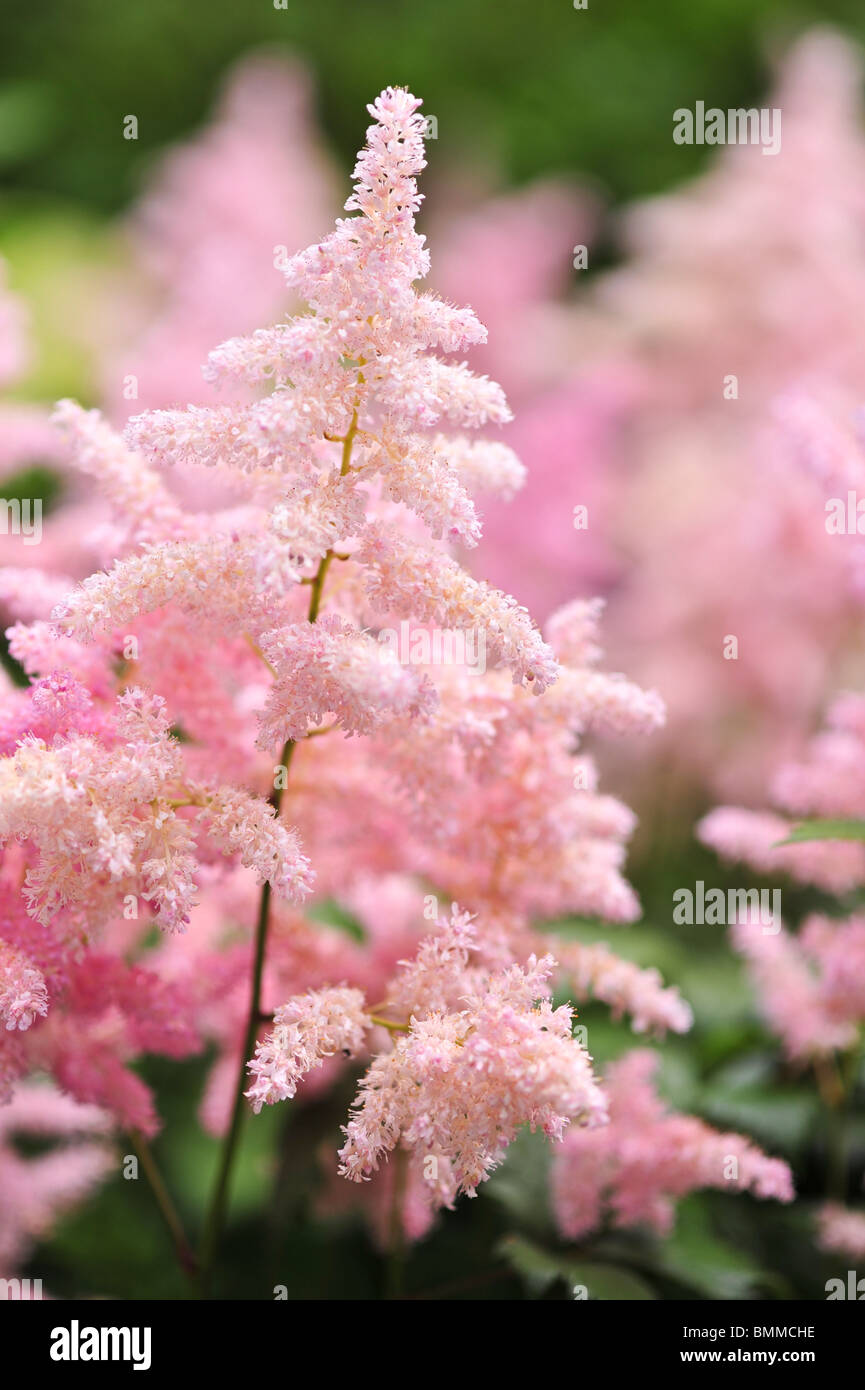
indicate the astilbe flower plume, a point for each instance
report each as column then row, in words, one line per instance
column 701, row 524
column 826, row 780
column 841, row 1230
column 35, row 1190
column 635, row 1168
column 215, row 733
column 809, row 983
column 475, row 1054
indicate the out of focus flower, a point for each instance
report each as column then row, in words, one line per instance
column 634, row 1169
column 35, row 1191
column 841, row 1231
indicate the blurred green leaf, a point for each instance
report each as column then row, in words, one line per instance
column 706, row 1263
column 541, row 1269
column 28, row 120
column 521, row 1184
column 778, row 1119
column 333, row 914
column 825, row 830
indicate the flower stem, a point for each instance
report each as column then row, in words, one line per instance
column 318, row 581
column 836, row 1081
column 185, row 1253
column 219, row 1202
column 216, row 1215
column 388, row 1023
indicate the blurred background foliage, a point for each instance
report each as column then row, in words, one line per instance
column 537, row 86
column 532, row 89
column 529, row 91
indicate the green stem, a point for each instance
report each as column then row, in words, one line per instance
column 219, row 1203
column 321, row 573
column 168, row 1211
column 836, row 1081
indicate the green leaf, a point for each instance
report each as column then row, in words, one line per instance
column 824, row 830
column 541, row 1268
column 333, row 914
column 780, row 1118
column 521, row 1184
column 702, row 1261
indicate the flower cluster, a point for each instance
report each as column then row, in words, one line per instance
column 34, row 1191
column 810, row 983
column 213, row 736
column 475, row 1053
column 636, row 1167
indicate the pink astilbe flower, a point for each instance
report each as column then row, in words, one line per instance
column 142, row 779
column 329, row 667
column 841, row 1231
column 136, row 492
column 35, row 1191
column 248, row 827
column 306, row 1030
column 593, row 971
column 480, row 1053
column 826, row 781
column 406, row 578
column 810, row 985
column 106, row 1016
column 586, row 698
column 757, row 838
column 634, row 1169
column 701, row 522
column 23, row 996
column 101, row 814
column 92, row 811
column 460, row 1082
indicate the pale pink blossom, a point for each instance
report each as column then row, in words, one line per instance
column 329, row 668
column 306, row 1030
column 635, row 1168
column 407, row 578
column 805, row 994
column 841, row 1231
column 460, row 1082
column 756, row 838
column 35, row 1191
column 133, row 790
column 23, row 996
